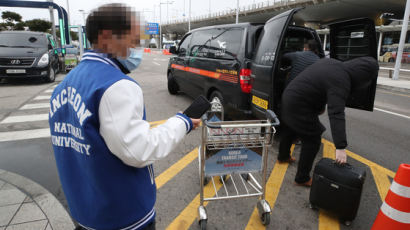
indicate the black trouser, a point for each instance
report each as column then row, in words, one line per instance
column 310, row 147
column 151, row 226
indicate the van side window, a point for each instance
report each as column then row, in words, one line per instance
column 200, row 43
column 183, row 47
column 226, row 42
column 268, row 42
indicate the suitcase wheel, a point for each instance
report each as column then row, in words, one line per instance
column 312, row 206
column 265, row 218
column 348, row 223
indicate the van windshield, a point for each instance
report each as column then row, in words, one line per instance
column 22, row 40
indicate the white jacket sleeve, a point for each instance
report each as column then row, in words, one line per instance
column 127, row 135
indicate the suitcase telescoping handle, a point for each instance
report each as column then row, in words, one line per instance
column 270, row 115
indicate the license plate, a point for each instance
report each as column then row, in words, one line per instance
column 260, row 102
column 16, row 71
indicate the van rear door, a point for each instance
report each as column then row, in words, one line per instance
column 351, row 39
column 265, row 61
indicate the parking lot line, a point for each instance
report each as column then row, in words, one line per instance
column 49, row 91
column 382, row 181
column 35, row 106
column 273, row 186
column 25, row 118
column 24, row 135
column 156, row 63
column 392, row 113
column 185, row 219
column 172, row 171
column 326, row 220
column 154, row 124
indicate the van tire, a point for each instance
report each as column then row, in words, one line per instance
column 173, row 87
column 217, row 97
column 51, row 77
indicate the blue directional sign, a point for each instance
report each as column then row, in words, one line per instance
column 152, row 28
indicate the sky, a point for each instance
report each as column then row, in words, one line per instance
column 150, row 8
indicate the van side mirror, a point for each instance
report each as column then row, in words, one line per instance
column 173, row 50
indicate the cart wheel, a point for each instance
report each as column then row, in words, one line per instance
column 223, row 178
column 202, row 224
column 265, row 218
column 245, row 176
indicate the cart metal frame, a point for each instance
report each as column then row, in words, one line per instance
column 259, row 135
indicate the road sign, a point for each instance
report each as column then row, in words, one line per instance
column 152, row 28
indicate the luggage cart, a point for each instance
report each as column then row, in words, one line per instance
column 235, row 151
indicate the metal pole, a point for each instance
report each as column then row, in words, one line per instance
column 68, row 12
column 380, row 43
column 402, row 39
column 209, row 8
column 189, row 17
column 237, row 11
column 324, row 42
column 53, row 25
column 167, row 13
column 160, row 27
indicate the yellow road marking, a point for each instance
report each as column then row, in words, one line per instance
column 153, row 124
column 273, row 186
column 172, row 171
column 185, row 219
column 326, row 220
column 381, row 180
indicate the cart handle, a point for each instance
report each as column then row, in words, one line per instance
column 270, row 115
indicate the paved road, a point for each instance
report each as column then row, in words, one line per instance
column 380, row 137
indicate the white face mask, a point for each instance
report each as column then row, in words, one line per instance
column 133, row 60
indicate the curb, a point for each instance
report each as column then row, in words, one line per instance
column 52, row 208
column 394, row 89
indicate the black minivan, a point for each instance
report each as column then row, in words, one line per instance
column 240, row 65
column 26, row 54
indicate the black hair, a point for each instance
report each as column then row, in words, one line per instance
column 115, row 17
column 312, row 45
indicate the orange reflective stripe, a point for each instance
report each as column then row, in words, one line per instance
column 224, row 77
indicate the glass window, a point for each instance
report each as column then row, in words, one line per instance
column 183, row 47
column 200, row 43
column 269, row 40
column 225, row 43
column 22, row 40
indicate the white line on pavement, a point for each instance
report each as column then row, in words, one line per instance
column 393, row 113
column 25, row 118
column 24, row 135
column 156, row 63
column 42, row 97
column 49, row 91
column 35, row 106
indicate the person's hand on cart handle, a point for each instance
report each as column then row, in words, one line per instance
column 196, row 122
column 341, row 157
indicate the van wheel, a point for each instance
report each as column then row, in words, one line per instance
column 51, row 75
column 173, row 87
column 217, row 104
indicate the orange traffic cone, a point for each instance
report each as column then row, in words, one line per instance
column 395, row 211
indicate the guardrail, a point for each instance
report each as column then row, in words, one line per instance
column 391, row 70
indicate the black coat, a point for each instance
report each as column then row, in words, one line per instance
column 299, row 61
column 327, row 81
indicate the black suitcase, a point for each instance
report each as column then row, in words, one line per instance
column 337, row 188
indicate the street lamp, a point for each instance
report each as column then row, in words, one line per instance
column 83, row 13
column 160, row 21
column 237, row 11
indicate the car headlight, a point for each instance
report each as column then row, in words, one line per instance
column 43, row 60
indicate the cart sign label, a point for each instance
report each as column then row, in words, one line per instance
column 152, row 28
column 228, row 161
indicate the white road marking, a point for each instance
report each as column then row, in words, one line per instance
column 392, row 113
column 25, row 118
column 24, row 135
column 49, row 91
column 156, row 63
column 35, row 106
column 42, row 97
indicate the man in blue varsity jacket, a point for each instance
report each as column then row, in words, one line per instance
column 104, row 148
